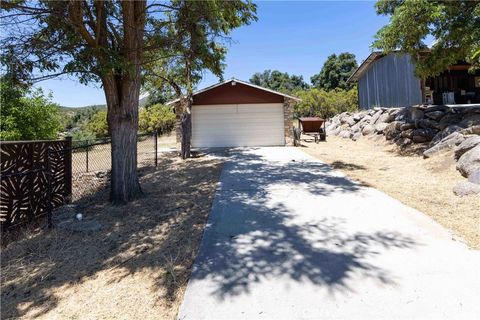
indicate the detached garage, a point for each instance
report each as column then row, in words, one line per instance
column 234, row 113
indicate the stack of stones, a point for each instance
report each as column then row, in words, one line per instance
column 440, row 128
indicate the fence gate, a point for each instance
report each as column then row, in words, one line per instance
column 32, row 172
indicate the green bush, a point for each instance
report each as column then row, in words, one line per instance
column 27, row 114
column 325, row 104
column 156, row 117
column 82, row 137
column 97, row 124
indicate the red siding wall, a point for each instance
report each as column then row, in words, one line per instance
column 237, row 94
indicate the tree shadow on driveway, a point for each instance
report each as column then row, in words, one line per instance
column 255, row 233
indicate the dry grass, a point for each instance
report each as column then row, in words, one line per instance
column 424, row 184
column 137, row 267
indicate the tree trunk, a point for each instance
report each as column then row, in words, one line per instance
column 186, row 126
column 123, row 124
column 122, row 90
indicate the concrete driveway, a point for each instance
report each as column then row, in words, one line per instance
column 289, row 238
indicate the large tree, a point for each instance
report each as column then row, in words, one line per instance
column 110, row 42
column 279, row 81
column 335, row 72
column 201, row 29
column 453, row 25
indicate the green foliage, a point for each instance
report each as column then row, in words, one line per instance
column 97, row 124
column 158, row 118
column 198, row 31
column 279, row 81
column 83, row 135
column 455, row 26
column 325, row 104
column 27, row 114
column 78, row 117
column 335, row 72
column 82, row 138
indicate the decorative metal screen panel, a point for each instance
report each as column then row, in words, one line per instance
column 24, row 187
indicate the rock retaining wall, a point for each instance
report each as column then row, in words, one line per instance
column 439, row 127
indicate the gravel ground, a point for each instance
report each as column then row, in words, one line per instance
column 136, row 267
column 424, row 184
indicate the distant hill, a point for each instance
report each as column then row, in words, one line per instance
column 77, row 109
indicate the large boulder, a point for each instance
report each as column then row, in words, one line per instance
column 380, row 127
column 469, row 162
column 345, row 134
column 474, row 177
column 357, row 135
column 410, row 113
column 406, row 126
column 360, row 115
column 470, row 120
column 422, row 135
column 403, row 142
column 467, row 144
column 445, row 133
column 407, row 134
column 416, row 113
column 368, row 129
column 335, row 132
column 471, row 130
column 446, row 143
column 402, row 114
column 343, row 117
column 426, row 124
column 466, row 188
column 435, row 115
column 375, row 117
column 450, row 119
column 386, row 117
column 350, row 121
column 392, row 130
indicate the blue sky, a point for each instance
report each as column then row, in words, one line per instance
column 290, row 36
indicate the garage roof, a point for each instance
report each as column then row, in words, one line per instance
column 233, row 80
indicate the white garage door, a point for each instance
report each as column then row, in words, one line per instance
column 236, row 125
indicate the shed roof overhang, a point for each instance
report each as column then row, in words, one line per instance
column 365, row 66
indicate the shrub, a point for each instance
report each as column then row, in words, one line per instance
column 325, row 104
column 157, row 117
column 97, row 124
column 27, row 114
column 82, row 137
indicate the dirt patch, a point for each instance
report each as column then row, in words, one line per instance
column 424, row 184
column 136, row 267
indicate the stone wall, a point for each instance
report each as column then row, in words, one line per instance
column 288, row 119
column 440, row 128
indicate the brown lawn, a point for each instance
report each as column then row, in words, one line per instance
column 424, row 184
column 137, row 267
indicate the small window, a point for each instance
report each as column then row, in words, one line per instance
column 477, row 82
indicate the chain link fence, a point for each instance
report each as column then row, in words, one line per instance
column 91, row 163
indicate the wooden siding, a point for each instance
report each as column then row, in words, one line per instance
column 389, row 82
column 237, row 94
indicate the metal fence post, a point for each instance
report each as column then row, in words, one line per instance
column 155, row 138
column 68, row 169
column 86, row 155
column 49, row 190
